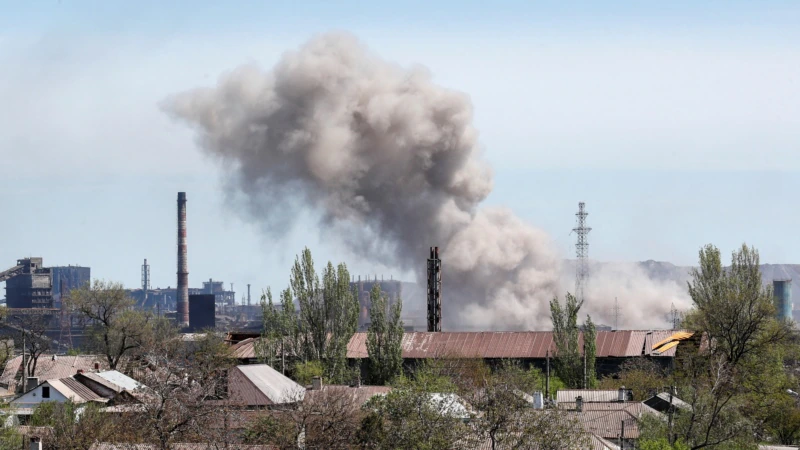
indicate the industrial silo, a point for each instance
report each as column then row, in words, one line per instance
column 782, row 290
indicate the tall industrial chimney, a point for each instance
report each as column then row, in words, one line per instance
column 183, row 265
column 434, row 291
column 248, row 295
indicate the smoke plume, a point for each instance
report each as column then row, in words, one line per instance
column 382, row 150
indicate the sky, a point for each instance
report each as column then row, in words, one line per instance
column 678, row 123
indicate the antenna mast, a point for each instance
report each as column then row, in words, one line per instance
column 582, row 252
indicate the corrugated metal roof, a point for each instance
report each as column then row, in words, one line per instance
column 635, row 408
column 271, row 383
column 244, row 349
column 509, row 344
column 100, row 380
column 588, row 395
column 119, row 379
column 75, row 391
column 608, row 425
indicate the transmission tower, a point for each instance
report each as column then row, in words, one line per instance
column 675, row 317
column 617, row 312
column 582, row 252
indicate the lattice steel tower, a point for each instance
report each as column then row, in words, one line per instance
column 582, row 252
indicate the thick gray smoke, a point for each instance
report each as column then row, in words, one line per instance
column 384, row 151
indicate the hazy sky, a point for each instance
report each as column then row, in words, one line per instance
column 677, row 123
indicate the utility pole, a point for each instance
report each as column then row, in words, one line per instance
column 585, row 378
column 24, row 366
column 547, row 382
column 622, row 436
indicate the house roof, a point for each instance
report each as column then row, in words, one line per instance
column 357, row 396
column 512, row 344
column 588, row 395
column 74, row 390
column 661, row 401
column 635, row 408
column 608, row 424
column 244, row 349
column 268, row 381
column 118, row 379
column 48, row 368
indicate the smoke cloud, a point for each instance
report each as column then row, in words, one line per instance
column 392, row 162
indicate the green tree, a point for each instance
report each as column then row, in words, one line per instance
column 419, row 413
column 732, row 373
column 328, row 314
column 505, row 418
column 384, row 338
column 732, row 307
column 304, row 372
column 590, row 350
column 115, row 328
column 569, row 361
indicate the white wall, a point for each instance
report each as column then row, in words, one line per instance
column 34, row 397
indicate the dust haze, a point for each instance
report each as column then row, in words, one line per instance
column 392, row 162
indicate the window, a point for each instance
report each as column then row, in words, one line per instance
column 45, row 391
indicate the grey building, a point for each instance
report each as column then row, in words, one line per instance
column 67, row 278
column 31, row 287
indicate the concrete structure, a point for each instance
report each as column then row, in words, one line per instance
column 782, row 292
column 201, row 312
column 67, row 278
column 31, row 286
column 183, row 264
column 393, row 290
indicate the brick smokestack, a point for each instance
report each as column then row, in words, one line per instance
column 183, row 265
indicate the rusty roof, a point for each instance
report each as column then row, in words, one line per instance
column 512, row 344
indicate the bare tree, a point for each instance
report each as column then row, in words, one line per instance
column 115, row 329
column 185, row 386
column 32, row 338
column 325, row 419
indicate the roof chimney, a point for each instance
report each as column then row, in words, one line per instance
column 621, row 396
column 538, row 400
column 579, row 404
column 96, row 366
column 36, row 443
column 316, row 384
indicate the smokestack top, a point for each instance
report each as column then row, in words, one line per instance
column 182, row 196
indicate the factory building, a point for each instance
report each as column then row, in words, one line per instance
column 67, row 278
column 28, row 284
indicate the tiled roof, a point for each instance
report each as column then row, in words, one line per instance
column 512, row 344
